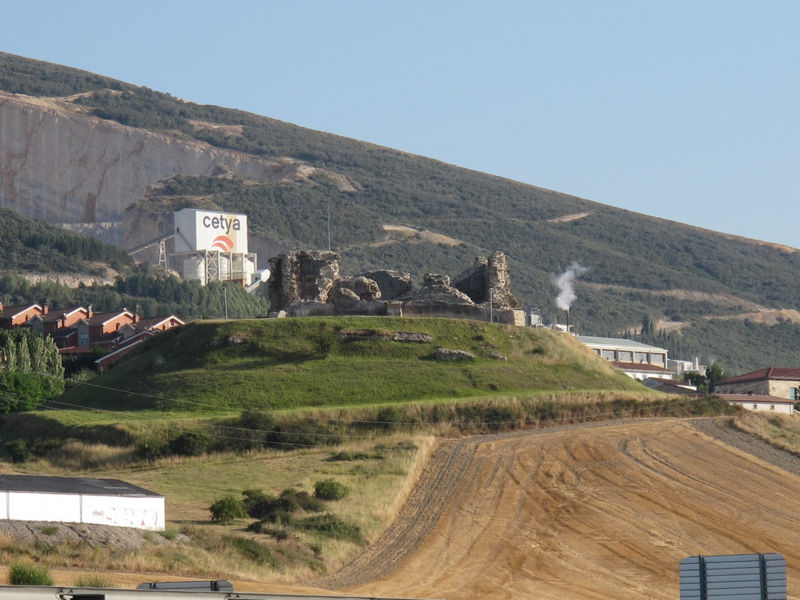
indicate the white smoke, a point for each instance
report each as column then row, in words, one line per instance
column 566, row 285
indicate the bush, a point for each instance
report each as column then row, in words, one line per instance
column 18, row 450
column 389, row 418
column 190, row 443
column 329, row 489
column 92, row 581
column 152, row 450
column 24, row 574
column 331, row 526
column 226, row 509
column 305, row 500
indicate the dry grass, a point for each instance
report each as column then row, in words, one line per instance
column 782, row 431
column 379, row 482
column 76, row 455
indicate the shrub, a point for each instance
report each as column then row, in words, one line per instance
column 25, row 574
column 390, row 418
column 267, row 507
column 92, row 581
column 189, row 443
column 253, row 550
column 226, row 509
column 306, row 501
column 329, row 489
column 49, row 529
column 18, row 450
column 150, row 451
column 331, row 526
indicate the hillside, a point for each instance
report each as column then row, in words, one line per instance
column 31, row 246
column 388, row 210
column 594, row 511
column 600, row 512
column 288, row 364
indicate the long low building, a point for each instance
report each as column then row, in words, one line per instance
column 80, row 500
column 637, row 360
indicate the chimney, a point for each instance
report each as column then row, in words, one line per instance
column 89, row 311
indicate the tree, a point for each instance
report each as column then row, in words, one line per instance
column 30, row 370
column 698, row 380
column 714, row 373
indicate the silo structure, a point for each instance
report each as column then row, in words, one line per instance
column 212, row 246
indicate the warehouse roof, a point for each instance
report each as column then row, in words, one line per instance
column 72, row 485
column 616, row 344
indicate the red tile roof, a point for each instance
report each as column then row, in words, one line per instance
column 13, row 311
column 764, row 374
column 55, row 315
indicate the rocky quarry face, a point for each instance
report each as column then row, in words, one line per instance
column 62, row 165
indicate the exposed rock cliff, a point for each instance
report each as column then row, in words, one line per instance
column 62, row 165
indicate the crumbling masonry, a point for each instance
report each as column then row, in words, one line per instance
column 307, row 282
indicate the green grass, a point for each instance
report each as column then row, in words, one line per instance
column 286, row 364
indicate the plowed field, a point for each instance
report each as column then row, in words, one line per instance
column 602, row 512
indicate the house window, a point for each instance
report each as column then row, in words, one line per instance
column 641, row 357
column 625, row 356
column 657, row 359
column 83, row 339
column 793, row 394
column 607, row 354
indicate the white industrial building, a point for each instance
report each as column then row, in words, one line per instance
column 80, row 500
column 637, row 360
column 212, row 246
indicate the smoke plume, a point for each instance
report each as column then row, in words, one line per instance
column 566, row 285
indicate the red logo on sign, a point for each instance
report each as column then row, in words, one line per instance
column 222, row 242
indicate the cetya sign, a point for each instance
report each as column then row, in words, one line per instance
column 208, row 230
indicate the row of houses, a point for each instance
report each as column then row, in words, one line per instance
column 79, row 330
column 773, row 389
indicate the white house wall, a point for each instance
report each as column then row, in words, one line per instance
column 778, row 407
column 120, row 511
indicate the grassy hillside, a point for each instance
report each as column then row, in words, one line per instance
column 630, row 257
column 287, row 364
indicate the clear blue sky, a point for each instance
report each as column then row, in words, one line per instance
column 687, row 110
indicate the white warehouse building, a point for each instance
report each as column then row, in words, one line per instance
column 80, row 500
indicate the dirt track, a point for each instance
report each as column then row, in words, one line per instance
column 602, row 511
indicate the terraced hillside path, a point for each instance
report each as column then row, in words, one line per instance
column 598, row 511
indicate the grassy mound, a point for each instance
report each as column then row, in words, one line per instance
column 286, row 364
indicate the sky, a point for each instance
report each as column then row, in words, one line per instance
column 687, row 110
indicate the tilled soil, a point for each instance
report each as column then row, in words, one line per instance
column 599, row 511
